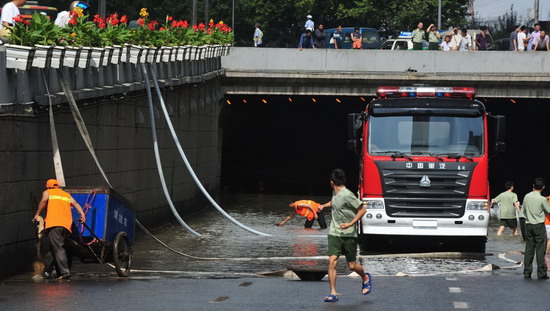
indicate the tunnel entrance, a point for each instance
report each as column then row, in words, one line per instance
column 289, row 145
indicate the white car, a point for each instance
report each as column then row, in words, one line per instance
column 401, row 44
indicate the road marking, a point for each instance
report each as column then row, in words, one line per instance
column 219, row 299
column 450, row 278
column 460, row 305
column 455, row 290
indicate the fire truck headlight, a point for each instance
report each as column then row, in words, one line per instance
column 373, row 204
column 369, row 216
column 477, row 206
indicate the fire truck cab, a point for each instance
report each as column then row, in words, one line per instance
column 424, row 160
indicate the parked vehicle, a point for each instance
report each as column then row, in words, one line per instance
column 401, row 44
column 499, row 45
column 371, row 38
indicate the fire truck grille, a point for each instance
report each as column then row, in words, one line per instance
column 423, row 192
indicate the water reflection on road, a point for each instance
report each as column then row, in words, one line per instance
column 221, row 238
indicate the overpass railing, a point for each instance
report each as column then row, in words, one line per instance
column 98, row 72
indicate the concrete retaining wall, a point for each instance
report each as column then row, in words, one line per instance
column 320, row 60
column 121, row 134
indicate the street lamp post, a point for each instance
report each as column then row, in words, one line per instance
column 102, row 8
column 194, row 13
column 439, row 16
column 233, row 16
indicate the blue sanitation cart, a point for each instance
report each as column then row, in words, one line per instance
column 108, row 234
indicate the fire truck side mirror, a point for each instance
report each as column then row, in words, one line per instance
column 499, row 133
column 355, row 123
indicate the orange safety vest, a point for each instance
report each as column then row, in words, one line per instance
column 304, row 210
column 59, row 209
column 547, row 220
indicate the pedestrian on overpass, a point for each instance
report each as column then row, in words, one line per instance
column 356, row 39
column 542, row 43
column 258, row 36
column 59, row 221
column 320, row 37
column 309, row 23
column 306, row 40
column 309, row 210
column 347, row 210
column 433, row 38
column 509, row 206
column 535, row 208
column 418, row 36
column 338, row 37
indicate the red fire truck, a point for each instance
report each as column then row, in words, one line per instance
column 424, row 160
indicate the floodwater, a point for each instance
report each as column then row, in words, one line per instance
column 249, row 253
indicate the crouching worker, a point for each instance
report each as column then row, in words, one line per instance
column 58, row 225
column 308, row 209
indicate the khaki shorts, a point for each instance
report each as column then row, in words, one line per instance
column 346, row 246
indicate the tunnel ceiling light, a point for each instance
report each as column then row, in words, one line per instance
column 264, row 101
column 228, row 102
column 362, row 98
column 339, row 101
column 313, row 99
column 244, row 101
column 290, row 99
column 513, row 101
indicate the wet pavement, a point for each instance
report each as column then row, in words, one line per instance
column 192, row 284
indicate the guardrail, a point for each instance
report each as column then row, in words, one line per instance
column 97, row 72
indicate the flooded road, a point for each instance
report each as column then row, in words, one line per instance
column 222, row 239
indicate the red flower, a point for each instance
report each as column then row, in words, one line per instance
column 183, row 24
column 124, row 19
column 18, row 19
column 72, row 21
column 211, row 24
column 152, row 25
column 201, row 27
column 170, row 18
column 141, row 21
column 161, row 28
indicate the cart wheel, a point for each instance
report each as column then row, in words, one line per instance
column 122, row 254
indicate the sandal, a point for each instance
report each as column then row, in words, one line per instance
column 367, row 285
column 331, row 298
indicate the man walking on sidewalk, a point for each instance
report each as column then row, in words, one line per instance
column 347, row 210
column 535, row 208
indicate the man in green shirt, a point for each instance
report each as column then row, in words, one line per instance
column 418, row 36
column 347, row 210
column 535, row 208
column 508, row 206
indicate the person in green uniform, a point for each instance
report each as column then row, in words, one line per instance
column 535, row 208
column 347, row 210
column 418, row 36
column 508, row 206
column 433, row 38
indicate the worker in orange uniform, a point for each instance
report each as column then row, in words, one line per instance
column 308, row 209
column 58, row 225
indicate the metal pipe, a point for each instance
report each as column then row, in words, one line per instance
column 206, row 19
column 157, row 153
column 439, row 16
column 188, row 165
column 536, row 10
column 233, row 16
column 102, row 8
column 194, row 13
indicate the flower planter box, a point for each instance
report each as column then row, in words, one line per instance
column 97, row 57
column 58, row 56
column 72, row 56
column 134, row 54
column 182, row 51
column 19, row 57
column 117, row 54
column 174, row 54
column 166, row 52
column 202, row 52
column 226, row 51
column 108, row 56
column 42, row 56
column 85, row 57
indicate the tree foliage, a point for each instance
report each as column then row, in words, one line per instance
column 283, row 20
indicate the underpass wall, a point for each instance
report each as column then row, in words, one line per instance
column 332, row 60
column 120, row 131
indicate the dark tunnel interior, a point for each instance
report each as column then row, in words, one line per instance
column 289, row 145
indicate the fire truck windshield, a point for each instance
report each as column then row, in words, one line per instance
column 425, row 135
